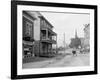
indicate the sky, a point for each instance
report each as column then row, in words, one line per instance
column 67, row 23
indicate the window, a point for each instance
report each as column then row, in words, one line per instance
column 27, row 28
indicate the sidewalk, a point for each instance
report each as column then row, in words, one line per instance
column 40, row 62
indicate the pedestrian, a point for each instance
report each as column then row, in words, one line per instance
column 74, row 52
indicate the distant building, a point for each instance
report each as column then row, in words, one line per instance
column 38, row 35
column 87, row 36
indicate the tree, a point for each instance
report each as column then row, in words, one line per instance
column 75, row 43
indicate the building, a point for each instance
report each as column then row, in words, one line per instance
column 38, row 35
column 28, row 37
column 87, row 36
column 47, row 38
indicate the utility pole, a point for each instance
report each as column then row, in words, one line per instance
column 64, row 43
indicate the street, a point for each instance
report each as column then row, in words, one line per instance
column 79, row 60
column 62, row 60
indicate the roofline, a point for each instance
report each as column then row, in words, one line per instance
column 26, row 13
column 46, row 20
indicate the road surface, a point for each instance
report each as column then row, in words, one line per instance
column 61, row 61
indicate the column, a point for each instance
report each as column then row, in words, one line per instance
column 46, row 33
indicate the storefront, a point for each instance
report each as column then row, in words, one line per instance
column 28, row 49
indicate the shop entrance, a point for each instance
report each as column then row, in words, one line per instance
column 27, row 51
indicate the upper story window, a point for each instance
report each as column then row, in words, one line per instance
column 28, row 31
column 27, row 28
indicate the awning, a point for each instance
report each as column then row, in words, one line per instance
column 28, row 43
column 49, row 41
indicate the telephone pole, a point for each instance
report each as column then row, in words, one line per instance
column 64, row 43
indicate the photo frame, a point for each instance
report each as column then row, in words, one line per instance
column 21, row 11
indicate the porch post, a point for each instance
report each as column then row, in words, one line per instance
column 46, row 33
